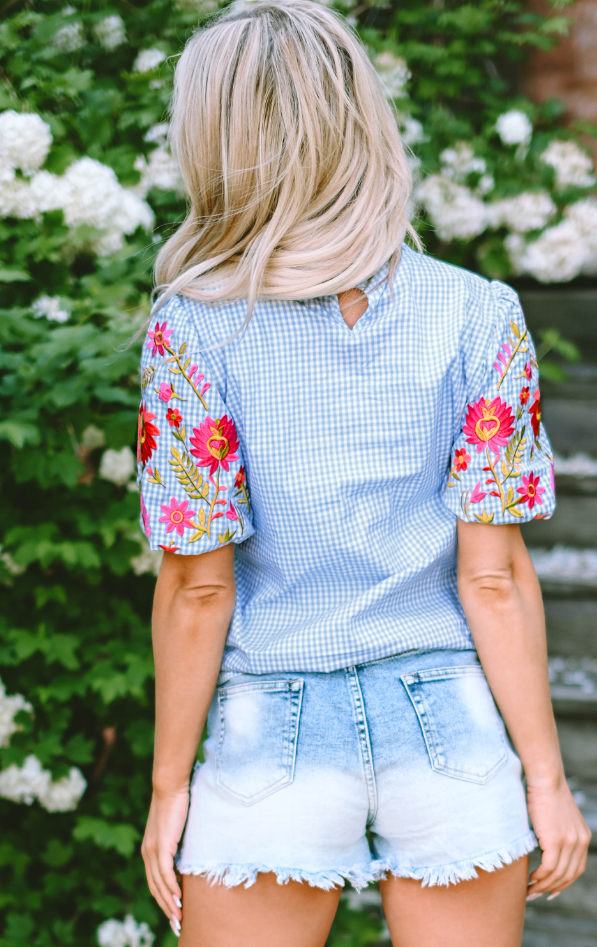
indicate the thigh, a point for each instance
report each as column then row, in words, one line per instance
column 267, row 914
column 487, row 911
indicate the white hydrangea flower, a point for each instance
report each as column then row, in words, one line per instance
column 530, row 210
column 557, row 256
column 117, row 466
column 25, row 140
column 158, row 134
column 92, row 437
column 24, row 783
column 16, row 199
column 393, row 72
column 454, row 210
column 413, row 132
column 110, row 32
column 573, row 167
column 69, row 38
column 127, row 933
column 148, row 561
column 50, row 307
column 514, row 127
column 14, row 568
column 148, row 60
column 49, row 191
column 9, row 708
column 63, row 795
column 94, row 193
column 584, row 216
column 161, row 171
column 460, row 161
column 485, row 185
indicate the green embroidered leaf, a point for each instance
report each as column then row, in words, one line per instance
column 515, row 329
column 485, row 517
column 175, row 371
column 227, row 536
column 515, row 512
column 187, row 475
column 182, row 348
column 510, row 495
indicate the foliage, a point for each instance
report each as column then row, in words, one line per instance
column 76, row 581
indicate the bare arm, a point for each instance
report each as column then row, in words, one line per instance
column 502, row 601
column 193, row 605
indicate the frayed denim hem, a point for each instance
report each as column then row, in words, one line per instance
column 464, row 870
column 233, row 875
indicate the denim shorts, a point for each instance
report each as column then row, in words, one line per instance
column 399, row 766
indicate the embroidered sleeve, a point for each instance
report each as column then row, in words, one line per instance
column 501, row 468
column 191, row 473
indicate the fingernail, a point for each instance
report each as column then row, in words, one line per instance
column 175, row 930
column 552, row 896
column 533, row 897
column 177, row 901
column 533, row 882
column 175, row 924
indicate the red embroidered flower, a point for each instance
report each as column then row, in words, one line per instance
column 240, row 477
column 173, row 417
column 145, row 517
column 158, row 338
column 461, row 458
column 528, row 371
column 170, row 547
column 489, row 423
column 165, row 392
column 215, row 443
column 524, row 395
column 477, row 494
column 177, row 516
column 146, row 434
column 530, row 490
column 535, row 412
column 231, row 513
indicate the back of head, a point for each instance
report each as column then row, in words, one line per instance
column 290, row 153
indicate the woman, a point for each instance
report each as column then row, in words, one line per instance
column 339, row 438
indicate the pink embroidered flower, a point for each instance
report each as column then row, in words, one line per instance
column 146, row 434
column 528, row 371
column 165, row 392
column 535, row 412
column 158, row 338
column 489, row 423
column 477, row 494
column 177, row 516
column 174, row 417
column 215, row 443
column 145, row 517
column 530, row 490
column 231, row 513
column 524, row 395
column 461, row 458
column 240, row 477
column 552, row 478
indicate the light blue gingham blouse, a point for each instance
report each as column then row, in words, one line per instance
column 338, row 460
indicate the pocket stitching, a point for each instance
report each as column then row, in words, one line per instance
column 425, row 719
column 295, row 691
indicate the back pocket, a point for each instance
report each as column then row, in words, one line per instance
column 258, row 736
column 464, row 733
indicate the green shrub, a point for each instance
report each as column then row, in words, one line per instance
column 87, row 192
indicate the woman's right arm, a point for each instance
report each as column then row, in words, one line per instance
column 193, row 605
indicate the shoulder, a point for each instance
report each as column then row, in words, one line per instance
column 454, row 292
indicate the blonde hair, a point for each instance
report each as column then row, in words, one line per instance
column 291, row 156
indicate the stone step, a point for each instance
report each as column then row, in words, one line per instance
column 570, row 423
column 573, row 312
column 574, row 523
column 558, row 930
column 571, row 627
column 578, row 740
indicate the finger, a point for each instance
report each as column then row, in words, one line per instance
column 549, row 860
column 575, row 869
column 162, row 866
column 153, row 878
column 550, row 880
column 168, row 876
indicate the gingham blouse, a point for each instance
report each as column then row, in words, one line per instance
column 338, row 460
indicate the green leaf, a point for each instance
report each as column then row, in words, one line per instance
column 120, row 836
column 13, row 275
column 19, row 433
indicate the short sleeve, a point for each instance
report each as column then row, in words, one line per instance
column 501, row 467
column 191, row 473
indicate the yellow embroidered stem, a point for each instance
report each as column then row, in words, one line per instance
column 497, row 482
column 509, row 362
column 212, row 505
column 177, row 358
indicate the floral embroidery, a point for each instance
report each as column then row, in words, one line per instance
column 146, row 434
column 489, row 424
column 535, row 412
column 231, row 513
column 177, row 516
column 509, row 350
column 147, row 376
column 159, row 338
column 528, row 371
column 145, row 516
column 215, row 443
column 461, row 458
column 174, row 417
column 531, row 491
column 170, row 547
column 165, row 392
column 477, row 494
column 524, row 395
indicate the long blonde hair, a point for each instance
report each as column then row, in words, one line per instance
column 291, row 156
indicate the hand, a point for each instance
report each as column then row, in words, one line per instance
column 563, row 836
column 167, row 816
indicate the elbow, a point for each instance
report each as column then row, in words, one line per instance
column 205, row 598
column 494, row 588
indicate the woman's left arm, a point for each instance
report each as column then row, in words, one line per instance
column 501, row 598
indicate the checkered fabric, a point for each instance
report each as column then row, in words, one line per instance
column 340, row 459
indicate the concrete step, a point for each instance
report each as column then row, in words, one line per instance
column 578, row 741
column 570, row 423
column 571, row 627
column 574, row 523
column 558, row 931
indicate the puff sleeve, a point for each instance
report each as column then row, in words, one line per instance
column 191, row 472
column 501, row 468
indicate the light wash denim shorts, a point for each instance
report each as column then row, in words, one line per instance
column 400, row 766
